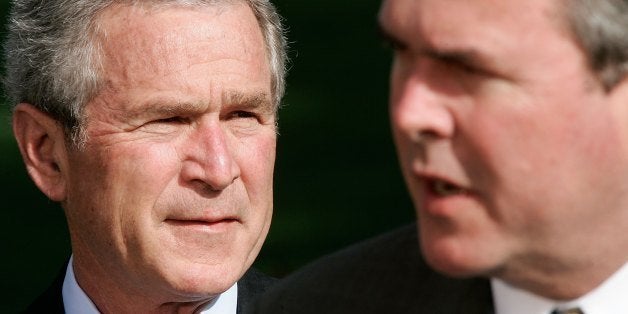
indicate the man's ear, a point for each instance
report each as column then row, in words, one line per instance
column 41, row 141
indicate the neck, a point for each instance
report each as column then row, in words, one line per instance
column 561, row 264
column 562, row 281
column 115, row 302
column 110, row 296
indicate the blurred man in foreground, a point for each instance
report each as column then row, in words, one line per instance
column 511, row 123
column 153, row 124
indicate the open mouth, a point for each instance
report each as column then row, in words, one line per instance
column 444, row 188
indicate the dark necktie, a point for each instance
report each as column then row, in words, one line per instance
column 568, row 311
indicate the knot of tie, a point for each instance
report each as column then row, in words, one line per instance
column 568, row 311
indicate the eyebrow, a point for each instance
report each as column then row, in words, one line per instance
column 388, row 38
column 164, row 106
column 465, row 56
column 459, row 56
column 258, row 101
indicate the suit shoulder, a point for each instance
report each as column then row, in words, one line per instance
column 252, row 284
column 363, row 278
column 384, row 274
column 51, row 301
column 397, row 248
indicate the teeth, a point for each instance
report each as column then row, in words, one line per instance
column 443, row 188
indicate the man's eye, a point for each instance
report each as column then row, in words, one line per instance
column 164, row 125
column 390, row 42
column 243, row 114
column 244, row 123
column 175, row 119
column 468, row 68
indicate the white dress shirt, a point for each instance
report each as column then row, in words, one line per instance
column 611, row 297
column 75, row 301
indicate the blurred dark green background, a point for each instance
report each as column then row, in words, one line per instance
column 337, row 179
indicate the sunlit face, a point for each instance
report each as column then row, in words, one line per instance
column 514, row 155
column 172, row 194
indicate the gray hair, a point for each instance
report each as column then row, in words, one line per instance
column 52, row 58
column 600, row 27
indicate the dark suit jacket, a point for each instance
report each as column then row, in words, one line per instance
column 251, row 285
column 382, row 275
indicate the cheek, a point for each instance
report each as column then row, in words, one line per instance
column 406, row 153
column 112, row 194
column 256, row 158
column 256, row 161
column 543, row 157
column 499, row 140
column 134, row 177
column 141, row 183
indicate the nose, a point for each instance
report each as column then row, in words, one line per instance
column 418, row 105
column 210, row 163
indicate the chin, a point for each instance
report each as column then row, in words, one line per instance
column 202, row 287
column 455, row 259
column 451, row 267
column 198, row 281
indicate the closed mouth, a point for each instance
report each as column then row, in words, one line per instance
column 195, row 222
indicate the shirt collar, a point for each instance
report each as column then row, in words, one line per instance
column 226, row 302
column 608, row 298
column 75, row 301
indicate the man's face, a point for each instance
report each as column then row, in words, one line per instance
column 172, row 193
column 514, row 155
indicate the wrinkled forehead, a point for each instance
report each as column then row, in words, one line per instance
column 165, row 39
column 163, row 4
column 150, row 18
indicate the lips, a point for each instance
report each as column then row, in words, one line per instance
column 195, row 229
column 442, row 179
column 442, row 199
column 208, row 220
column 191, row 222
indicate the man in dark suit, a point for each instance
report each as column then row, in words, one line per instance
column 510, row 119
column 385, row 274
column 153, row 124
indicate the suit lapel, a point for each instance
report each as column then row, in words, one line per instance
column 51, row 301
